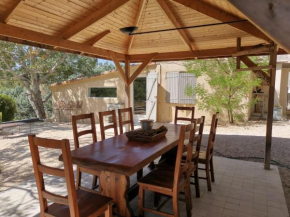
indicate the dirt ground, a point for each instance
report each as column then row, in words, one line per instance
column 239, row 141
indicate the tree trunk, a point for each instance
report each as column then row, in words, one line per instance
column 36, row 102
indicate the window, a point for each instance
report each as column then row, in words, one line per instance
column 176, row 83
column 103, row 92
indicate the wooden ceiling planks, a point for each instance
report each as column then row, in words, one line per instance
column 56, row 17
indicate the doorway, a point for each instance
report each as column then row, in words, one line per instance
column 139, row 99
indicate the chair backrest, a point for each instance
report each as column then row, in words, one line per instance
column 211, row 137
column 180, row 108
column 198, row 139
column 129, row 121
column 187, row 133
column 77, row 134
column 67, row 173
column 102, row 123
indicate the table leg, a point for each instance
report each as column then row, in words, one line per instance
column 116, row 186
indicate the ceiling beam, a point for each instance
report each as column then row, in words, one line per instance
column 146, row 61
column 190, row 55
column 257, row 50
column 271, row 17
column 119, row 67
column 260, row 73
column 137, row 20
column 222, row 16
column 103, row 11
column 167, row 11
column 97, row 38
column 9, row 31
column 4, row 17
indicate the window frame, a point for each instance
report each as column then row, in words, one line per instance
column 99, row 97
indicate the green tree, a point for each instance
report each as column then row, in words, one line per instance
column 7, row 107
column 228, row 89
column 34, row 68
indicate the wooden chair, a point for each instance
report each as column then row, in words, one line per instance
column 195, row 156
column 171, row 182
column 78, row 134
column 102, row 123
column 206, row 157
column 180, row 108
column 130, row 121
column 78, row 202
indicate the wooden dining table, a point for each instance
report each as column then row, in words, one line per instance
column 118, row 158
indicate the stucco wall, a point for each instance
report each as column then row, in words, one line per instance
column 78, row 91
column 166, row 111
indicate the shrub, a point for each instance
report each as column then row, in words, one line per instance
column 7, row 107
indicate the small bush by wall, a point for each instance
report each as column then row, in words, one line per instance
column 7, row 107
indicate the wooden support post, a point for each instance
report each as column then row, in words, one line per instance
column 238, row 49
column 127, row 74
column 273, row 60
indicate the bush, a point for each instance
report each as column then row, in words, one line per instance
column 7, row 107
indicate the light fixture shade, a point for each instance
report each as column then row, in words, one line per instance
column 129, row 30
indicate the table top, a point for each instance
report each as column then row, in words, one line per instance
column 120, row 155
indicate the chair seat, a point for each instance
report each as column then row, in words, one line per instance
column 88, row 203
column 165, row 165
column 161, row 178
column 201, row 156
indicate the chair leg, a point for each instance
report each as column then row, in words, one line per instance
column 95, row 181
column 211, row 170
column 207, row 176
column 188, row 202
column 175, row 204
column 79, row 178
column 156, row 199
column 196, row 183
column 141, row 201
column 108, row 212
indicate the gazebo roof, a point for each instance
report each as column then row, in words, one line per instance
column 91, row 27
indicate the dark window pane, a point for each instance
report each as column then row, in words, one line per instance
column 103, row 92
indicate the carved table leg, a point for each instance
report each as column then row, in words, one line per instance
column 116, row 186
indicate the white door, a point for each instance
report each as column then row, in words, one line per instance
column 151, row 95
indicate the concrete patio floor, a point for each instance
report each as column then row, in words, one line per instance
column 242, row 189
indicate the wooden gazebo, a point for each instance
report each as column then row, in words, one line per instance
column 91, row 27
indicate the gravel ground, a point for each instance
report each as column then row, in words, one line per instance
column 247, row 141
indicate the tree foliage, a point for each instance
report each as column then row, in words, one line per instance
column 227, row 91
column 35, row 68
column 7, row 107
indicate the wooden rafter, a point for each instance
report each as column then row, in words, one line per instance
column 167, row 11
column 137, row 20
column 4, row 17
column 119, row 67
column 97, row 38
column 260, row 73
column 54, row 41
column 255, row 68
column 271, row 17
column 109, row 7
column 141, row 67
column 259, row 50
column 222, row 16
column 186, row 55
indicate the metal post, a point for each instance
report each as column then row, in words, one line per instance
column 273, row 60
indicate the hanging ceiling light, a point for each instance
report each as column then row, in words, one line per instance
column 129, row 30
